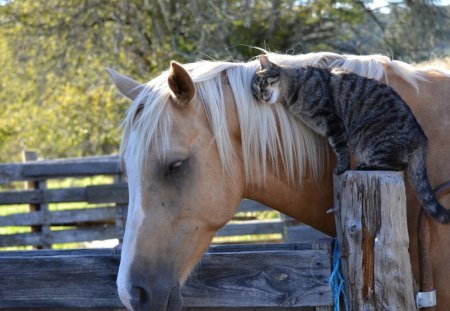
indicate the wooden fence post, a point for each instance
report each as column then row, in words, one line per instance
column 41, row 207
column 371, row 226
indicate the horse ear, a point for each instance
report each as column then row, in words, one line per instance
column 126, row 86
column 265, row 62
column 180, row 83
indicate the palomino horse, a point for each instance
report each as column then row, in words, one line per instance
column 195, row 143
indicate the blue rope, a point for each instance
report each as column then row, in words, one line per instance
column 336, row 281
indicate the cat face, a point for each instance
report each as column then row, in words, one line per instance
column 266, row 82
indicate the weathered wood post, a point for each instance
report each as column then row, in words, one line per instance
column 28, row 156
column 370, row 214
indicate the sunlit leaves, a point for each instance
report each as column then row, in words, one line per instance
column 56, row 98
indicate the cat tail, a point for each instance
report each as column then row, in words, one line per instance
column 417, row 173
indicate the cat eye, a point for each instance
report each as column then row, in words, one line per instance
column 272, row 80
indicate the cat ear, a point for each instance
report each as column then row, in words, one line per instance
column 180, row 83
column 265, row 62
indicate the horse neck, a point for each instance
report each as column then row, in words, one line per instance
column 307, row 201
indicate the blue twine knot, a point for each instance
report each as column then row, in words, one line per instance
column 336, row 281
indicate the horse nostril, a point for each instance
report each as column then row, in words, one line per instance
column 139, row 298
column 142, row 298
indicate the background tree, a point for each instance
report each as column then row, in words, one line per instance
column 56, row 98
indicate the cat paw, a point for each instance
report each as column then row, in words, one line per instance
column 338, row 170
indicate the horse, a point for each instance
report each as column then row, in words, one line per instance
column 195, row 143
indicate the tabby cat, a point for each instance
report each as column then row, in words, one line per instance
column 354, row 113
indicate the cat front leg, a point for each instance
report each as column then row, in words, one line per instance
column 339, row 144
column 343, row 161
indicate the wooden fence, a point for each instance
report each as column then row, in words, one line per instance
column 274, row 276
column 101, row 210
column 371, row 223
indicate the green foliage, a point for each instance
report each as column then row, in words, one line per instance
column 56, row 98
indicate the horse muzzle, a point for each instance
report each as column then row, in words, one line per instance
column 165, row 296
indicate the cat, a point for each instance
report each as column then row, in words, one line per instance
column 355, row 114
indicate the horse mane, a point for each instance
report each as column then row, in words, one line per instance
column 268, row 133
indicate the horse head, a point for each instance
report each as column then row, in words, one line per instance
column 179, row 194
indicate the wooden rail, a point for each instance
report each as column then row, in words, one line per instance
column 104, row 219
column 271, row 276
column 58, row 168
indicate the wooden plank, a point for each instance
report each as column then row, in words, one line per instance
column 82, row 234
column 59, row 168
column 252, row 206
column 185, row 309
column 316, row 245
column 59, row 281
column 303, row 233
column 372, row 232
column 252, row 227
column 242, row 309
column 230, row 248
column 101, row 158
column 60, row 217
column 112, row 193
column 10, row 173
column 266, row 278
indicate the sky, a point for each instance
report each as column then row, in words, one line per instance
column 381, row 4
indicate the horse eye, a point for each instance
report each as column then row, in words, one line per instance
column 174, row 167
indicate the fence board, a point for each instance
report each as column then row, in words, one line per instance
column 252, row 227
column 81, row 234
column 60, row 217
column 224, row 279
column 59, row 168
column 52, row 170
column 270, row 279
column 105, row 231
column 252, row 206
column 324, row 244
column 112, row 193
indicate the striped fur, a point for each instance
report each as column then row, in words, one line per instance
column 356, row 114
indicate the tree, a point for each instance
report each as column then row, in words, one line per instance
column 56, row 97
